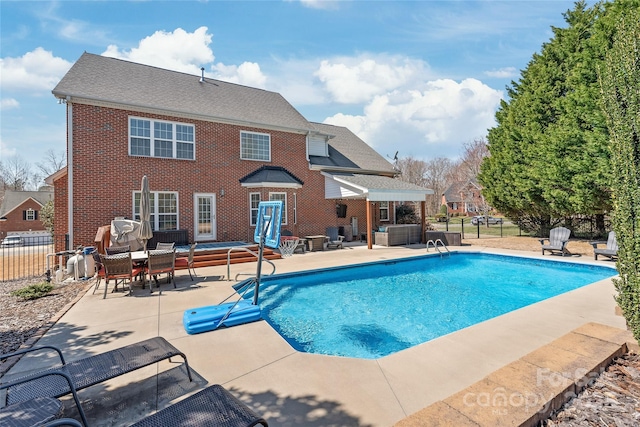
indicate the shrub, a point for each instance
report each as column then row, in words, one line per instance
column 34, row 291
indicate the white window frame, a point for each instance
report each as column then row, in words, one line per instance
column 30, row 215
column 153, row 139
column 280, row 196
column 155, row 215
column 245, row 156
column 295, row 208
column 253, row 219
column 384, row 207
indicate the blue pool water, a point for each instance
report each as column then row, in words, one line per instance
column 373, row 310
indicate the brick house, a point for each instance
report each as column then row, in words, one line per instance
column 464, row 198
column 211, row 151
column 20, row 211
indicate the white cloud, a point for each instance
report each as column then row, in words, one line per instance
column 503, row 73
column 35, row 72
column 9, row 104
column 6, row 151
column 178, row 50
column 428, row 123
column 247, row 73
column 358, row 79
column 320, row 4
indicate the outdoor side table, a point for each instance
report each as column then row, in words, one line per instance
column 316, row 243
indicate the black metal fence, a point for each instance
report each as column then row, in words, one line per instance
column 29, row 256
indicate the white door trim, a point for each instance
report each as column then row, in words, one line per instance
column 198, row 236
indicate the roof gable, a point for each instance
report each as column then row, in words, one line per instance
column 128, row 85
column 14, row 199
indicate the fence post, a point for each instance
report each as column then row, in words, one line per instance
column 478, row 226
column 462, row 227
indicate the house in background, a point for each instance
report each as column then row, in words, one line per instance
column 20, row 212
column 464, row 198
column 212, row 150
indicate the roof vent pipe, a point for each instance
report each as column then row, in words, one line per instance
column 202, row 78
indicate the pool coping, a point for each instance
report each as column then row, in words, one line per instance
column 527, row 391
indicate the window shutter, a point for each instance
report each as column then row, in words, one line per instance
column 35, row 215
column 24, row 215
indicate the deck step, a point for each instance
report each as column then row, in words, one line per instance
column 213, row 257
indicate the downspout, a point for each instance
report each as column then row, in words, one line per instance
column 70, row 170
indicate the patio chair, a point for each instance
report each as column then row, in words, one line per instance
column 119, row 267
column 162, row 246
column 333, row 239
column 611, row 249
column 100, row 274
column 160, row 262
column 113, row 250
column 187, row 262
column 558, row 239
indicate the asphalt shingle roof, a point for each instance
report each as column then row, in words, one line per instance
column 346, row 150
column 273, row 174
column 100, row 78
column 13, row 199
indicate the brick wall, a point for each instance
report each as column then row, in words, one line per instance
column 15, row 220
column 105, row 177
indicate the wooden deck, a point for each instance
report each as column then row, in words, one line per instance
column 212, row 257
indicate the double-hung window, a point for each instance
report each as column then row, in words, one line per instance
column 384, row 211
column 164, row 210
column 254, row 202
column 283, row 198
column 30, row 215
column 255, row 146
column 155, row 138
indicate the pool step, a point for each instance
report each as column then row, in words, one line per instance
column 213, row 257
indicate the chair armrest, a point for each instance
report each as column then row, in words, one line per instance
column 29, row 350
column 43, row 374
column 597, row 242
column 542, row 241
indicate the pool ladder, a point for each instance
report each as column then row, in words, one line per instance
column 435, row 246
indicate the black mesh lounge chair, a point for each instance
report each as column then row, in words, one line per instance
column 90, row 370
column 214, row 406
column 39, row 409
column 610, row 251
column 558, row 239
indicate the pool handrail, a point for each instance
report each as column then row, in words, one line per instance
column 435, row 246
column 252, row 253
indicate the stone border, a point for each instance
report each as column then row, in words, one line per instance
column 529, row 390
column 33, row 339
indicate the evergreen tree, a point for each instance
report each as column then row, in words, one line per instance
column 620, row 83
column 549, row 151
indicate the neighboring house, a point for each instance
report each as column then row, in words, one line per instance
column 212, row 150
column 20, row 211
column 464, row 198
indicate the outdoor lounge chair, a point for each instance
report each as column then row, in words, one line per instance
column 37, row 410
column 610, row 251
column 558, row 238
column 212, row 407
column 88, row 371
column 333, row 239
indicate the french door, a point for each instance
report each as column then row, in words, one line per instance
column 205, row 216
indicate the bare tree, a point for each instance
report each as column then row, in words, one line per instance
column 52, row 162
column 16, row 174
column 431, row 174
column 468, row 167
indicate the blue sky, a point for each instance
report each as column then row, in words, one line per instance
column 418, row 77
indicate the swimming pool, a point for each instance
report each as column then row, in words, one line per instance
column 376, row 309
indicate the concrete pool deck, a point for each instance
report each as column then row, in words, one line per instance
column 290, row 388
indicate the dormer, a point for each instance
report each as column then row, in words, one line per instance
column 318, row 144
